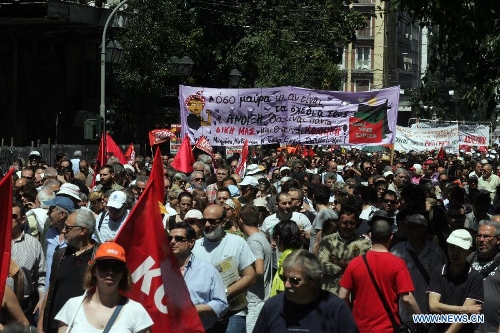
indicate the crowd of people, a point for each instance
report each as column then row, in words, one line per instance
column 335, row 240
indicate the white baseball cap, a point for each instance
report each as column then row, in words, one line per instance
column 460, row 238
column 117, row 199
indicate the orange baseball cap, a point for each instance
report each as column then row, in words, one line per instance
column 110, row 250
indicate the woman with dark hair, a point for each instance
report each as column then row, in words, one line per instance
column 287, row 237
column 103, row 305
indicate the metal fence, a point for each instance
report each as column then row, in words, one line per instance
column 9, row 154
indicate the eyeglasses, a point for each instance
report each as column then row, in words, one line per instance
column 293, row 280
column 110, row 265
column 389, row 201
column 212, row 221
column 199, row 179
column 485, row 237
column 178, row 239
column 15, row 216
column 70, row 227
column 368, row 168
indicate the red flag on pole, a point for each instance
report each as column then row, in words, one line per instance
column 157, row 280
column 130, row 154
column 204, row 145
column 240, row 168
column 311, row 153
column 441, row 154
column 5, row 227
column 112, row 149
column 158, row 136
column 101, row 159
column 184, row 159
column 107, row 148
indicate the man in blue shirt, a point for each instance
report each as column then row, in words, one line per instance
column 202, row 279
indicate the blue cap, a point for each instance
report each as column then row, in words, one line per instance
column 233, row 190
column 62, row 202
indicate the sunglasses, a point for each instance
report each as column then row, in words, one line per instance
column 15, row 216
column 110, row 265
column 212, row 221
column 178, row 239
column 293, row 280
column 70, row 227
column 389, row 201
column 199, row 179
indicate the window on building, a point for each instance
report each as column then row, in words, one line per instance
column 341, row 57
column 361, row 85
column 363, row 58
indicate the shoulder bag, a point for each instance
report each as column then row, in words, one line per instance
column 398, row 328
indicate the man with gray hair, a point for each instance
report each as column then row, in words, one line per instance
column 401, row 178
column 69, row 267
column 304, row 306
column 486, row 260
column 75, row 161
column 489, row 181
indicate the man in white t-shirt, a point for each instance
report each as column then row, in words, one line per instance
column 216, row 246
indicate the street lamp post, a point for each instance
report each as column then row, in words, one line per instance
column 234, row 78
column 102, row 106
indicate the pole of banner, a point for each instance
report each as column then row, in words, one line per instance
column 102, row 106
column 392, row 154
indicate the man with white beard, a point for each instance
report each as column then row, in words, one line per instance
column 217, row 246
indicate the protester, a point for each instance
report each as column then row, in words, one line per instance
column 103, row 304
column 304, row 306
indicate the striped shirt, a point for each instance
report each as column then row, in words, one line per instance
column 28, row 254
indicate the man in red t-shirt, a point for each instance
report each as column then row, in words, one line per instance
column 393, row 279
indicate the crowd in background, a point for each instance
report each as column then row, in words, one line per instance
column 324, row 210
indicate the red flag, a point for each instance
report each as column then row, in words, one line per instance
column 158, row 136
column 5, row 227
column 441, row 154
column 130, row 154
column 204, row 145
column 101, row 160
column 157, row 280
column 311, row 153
column 305, row 152
column 240, row 168
column 281, row 161
column 184, row 159
column 112, row 149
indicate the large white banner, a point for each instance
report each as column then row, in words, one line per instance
column 473, row 135
column 422, row 139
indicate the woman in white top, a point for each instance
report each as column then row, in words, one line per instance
column 105, row 281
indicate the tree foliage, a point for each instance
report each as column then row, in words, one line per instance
column 464, row 50
column 273, row 43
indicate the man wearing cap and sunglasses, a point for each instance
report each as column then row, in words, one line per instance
column 110, row 222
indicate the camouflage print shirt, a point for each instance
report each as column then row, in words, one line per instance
column 334, row 246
